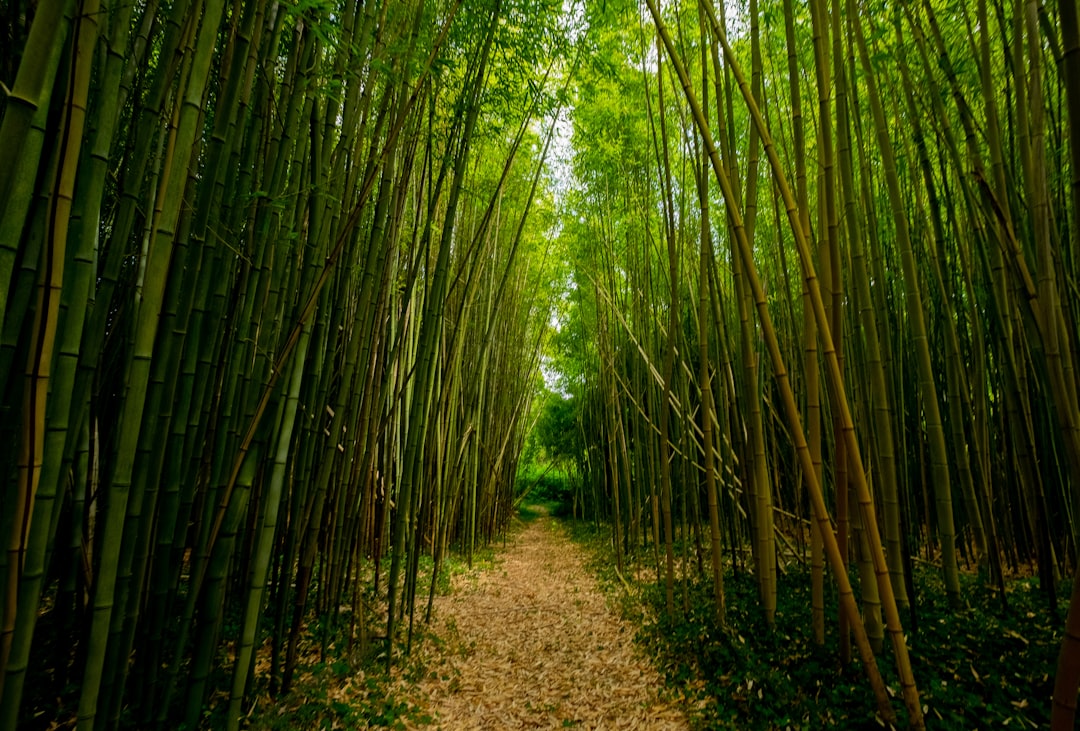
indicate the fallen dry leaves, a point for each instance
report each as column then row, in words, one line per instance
column 531, row 643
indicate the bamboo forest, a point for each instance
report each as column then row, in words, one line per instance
column 730, row 344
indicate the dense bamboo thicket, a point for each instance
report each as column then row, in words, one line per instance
column 277, row 279
column 273, row 285
column 825, row 303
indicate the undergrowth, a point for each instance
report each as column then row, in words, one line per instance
column 336, row 695
column 976, row 668
column 338, row 687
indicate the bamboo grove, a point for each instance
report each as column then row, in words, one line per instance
column 273, row 291
column 823, row 303
column 276, row 281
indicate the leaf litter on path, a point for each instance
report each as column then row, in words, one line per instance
column 532, row 643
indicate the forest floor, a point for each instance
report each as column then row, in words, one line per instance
column 532, row 642
column 542, row 633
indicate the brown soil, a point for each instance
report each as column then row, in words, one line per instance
column 532, row 643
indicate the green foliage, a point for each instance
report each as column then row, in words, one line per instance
column 342, row 689
column 976, row 668
column 333, row 696
column 552, row 451
column 552, row 490
column 749, row 678
column 557, row 428
column 532, row 510
column 979, row 666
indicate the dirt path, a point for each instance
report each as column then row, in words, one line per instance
column 531, row 643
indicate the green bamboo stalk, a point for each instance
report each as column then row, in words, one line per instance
column 39, row 368
column 811, row 369
column 430, row 326
column 245, row 647
column 917, row 320
column 22, row 131
column 899, row 645
column 138, row 377
column 669, row 352
column 701, row 173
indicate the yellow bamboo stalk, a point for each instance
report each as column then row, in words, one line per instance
column 847, row 598
column 858, row 473
column 46, row 316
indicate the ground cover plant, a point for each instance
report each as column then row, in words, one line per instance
column 338, row 686
column 978, row 667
